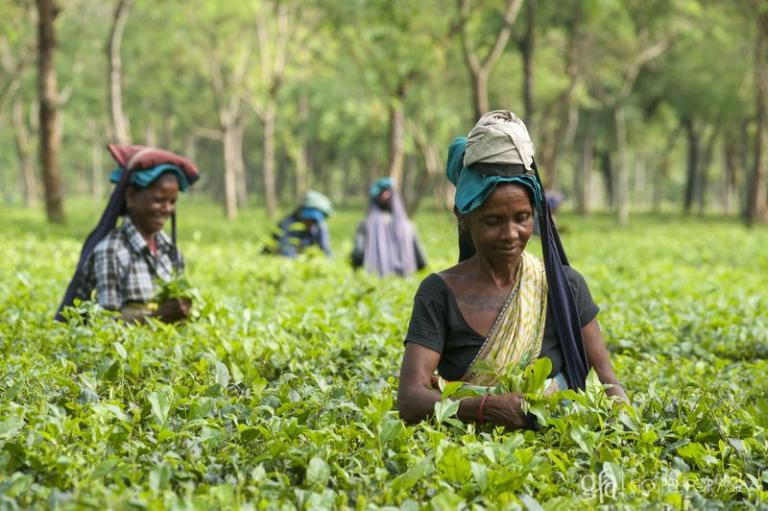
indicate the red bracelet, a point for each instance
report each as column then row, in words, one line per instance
column 480, row 408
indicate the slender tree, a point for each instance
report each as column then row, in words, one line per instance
column 49, row 126
column 274, row 29
column 120, row 123
column 24, row 149
column 756, row 194
column 231, row 111
column 616, row 102
column 559, row 117
column 527, row 49
column 480, row 68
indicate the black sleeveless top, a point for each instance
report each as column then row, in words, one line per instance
column 437, row 323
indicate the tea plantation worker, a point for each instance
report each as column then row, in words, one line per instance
column 501, row 306
column 386, row 242
column 305, row 226
column 120, row 266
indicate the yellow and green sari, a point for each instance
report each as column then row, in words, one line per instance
column 516, row 336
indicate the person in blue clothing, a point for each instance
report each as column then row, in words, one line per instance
column 304, row 227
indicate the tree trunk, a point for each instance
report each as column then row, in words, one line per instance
column 97, row 164
column 300, row 151
column 50, row 137
column 190, row 146
column 229, row 143
column 120, row 123
column 231, row 129
column 692, row 173
column 730, row 173
column 150, row 135
column 744, row 148
column 658, row 184
column 709, row 149
column 606, row 168
column 281, row 180
column 559, row 119
column 479, row 94
column 548, row 161
column 640, row 192
column 622, row 179
column 756, row 193
column 302, row 172
column 241, row 181
column 406, row 186
column 583, row 175
column 268, row 154
column 432, row 168
column 528, row 48
column 24, row 152
column 660, row 176
column 396, row 138
column 478, row 69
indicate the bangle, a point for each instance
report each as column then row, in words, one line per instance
column 480, row 408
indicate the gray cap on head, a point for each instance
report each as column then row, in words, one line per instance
column 499, row 137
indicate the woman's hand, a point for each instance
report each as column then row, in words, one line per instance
column 506, row 410
column 173, row 309
column 416, row 399
column 618, row 392
column 599, row 358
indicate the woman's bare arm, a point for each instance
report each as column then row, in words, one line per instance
column 416, row 399
column 170, row 311
column 600, row 359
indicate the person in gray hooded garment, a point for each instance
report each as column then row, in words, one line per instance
column 386, row 242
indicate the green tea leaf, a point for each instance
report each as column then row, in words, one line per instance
column 535, row 376
column 318, row 472
column 161, row 405
column 407, row 480
column 446, row 409
column 454, row 465
column 451, row 388
column 10, row 427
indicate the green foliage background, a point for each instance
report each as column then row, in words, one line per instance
column 280, row 394
column 351, row 64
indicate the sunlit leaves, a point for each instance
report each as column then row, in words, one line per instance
column 283, row 393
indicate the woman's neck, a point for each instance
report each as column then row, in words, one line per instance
column 501, row 275
column 148, row 236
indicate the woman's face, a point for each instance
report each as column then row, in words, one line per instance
column 150, row 207
column 384, row 199
column 502, row 226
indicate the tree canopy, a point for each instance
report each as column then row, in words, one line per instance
column 632, row 104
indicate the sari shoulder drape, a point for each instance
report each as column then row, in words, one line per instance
column 517, row 333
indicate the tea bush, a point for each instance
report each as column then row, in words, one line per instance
column 279, row 395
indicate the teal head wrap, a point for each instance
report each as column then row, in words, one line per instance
column 144, row 178
column 385, row 183
column 473, row 187
column 311, row 214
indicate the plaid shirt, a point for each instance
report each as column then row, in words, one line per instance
column 122, row 269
